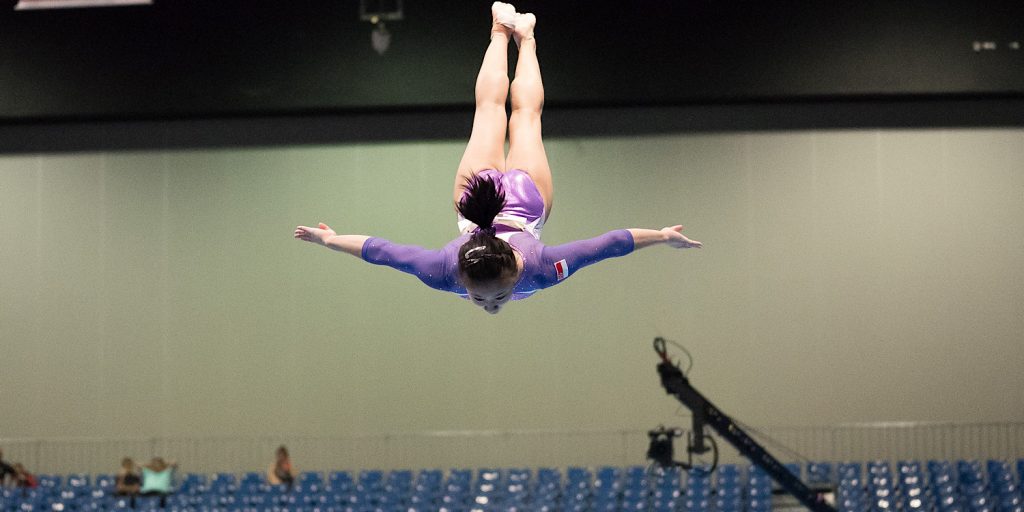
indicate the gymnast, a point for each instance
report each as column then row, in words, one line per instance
column 502, row 202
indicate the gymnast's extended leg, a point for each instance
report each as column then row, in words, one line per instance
column 486, row 147
column 526, row 148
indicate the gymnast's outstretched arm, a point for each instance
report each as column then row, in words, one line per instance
column 671, row 236
column 325, row 236
column 426, row 264
column 564, row 260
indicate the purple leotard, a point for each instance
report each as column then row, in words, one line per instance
column 523, row 216
column 524, row 206
column 543, row 266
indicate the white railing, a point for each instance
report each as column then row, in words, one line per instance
column 523, row 448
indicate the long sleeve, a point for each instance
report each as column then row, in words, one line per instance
column 561, row 261
column 430, row 266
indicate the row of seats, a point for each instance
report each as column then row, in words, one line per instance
column 937, row 486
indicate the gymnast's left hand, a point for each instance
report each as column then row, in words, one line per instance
column 317, row 235
column 675, row 238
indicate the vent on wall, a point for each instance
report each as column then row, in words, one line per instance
column 64, row 4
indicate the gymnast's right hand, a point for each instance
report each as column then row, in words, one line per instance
column 318, row 235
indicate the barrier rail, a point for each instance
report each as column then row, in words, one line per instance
column 514, row 448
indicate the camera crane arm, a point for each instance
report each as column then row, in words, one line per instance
column 676, row 384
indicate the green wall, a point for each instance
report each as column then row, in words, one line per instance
column 847, row 276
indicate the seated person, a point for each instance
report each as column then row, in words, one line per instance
column 23, row 478
column 128, row 481
column 6, row 471
column 157, row 477
column 281, row 471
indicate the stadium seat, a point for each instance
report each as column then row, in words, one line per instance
column 759, row 490
column 879, row 486
column 819, row 473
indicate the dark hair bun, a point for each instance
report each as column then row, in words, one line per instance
column 482, row 201
column 484, row 256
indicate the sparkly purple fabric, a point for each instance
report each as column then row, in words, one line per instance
column 522, row 198
column 543, row 266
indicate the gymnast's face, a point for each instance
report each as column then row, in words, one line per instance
column 491, row 296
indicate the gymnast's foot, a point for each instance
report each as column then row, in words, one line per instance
column 524, row 24
column 503, row 16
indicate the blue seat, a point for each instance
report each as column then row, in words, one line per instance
column 428, row 480
column 577, row 481
column 759, row 490
column 849, row 470
column 607, row 487
column 727, row 504
column 849, row 505
column 311, row 477
column 77, row 480
column 728, row 496
column 193, row 483
column 224, row 479
column 819, row 473
column 371, row 476
column 430, row 475
column 223, row 483
column 879, row 486
column 547, row 485
column 252, row 478
column 340, row 482
column 911, row 480
column 973, row 486
column 1001, row 478
column 605, row 506
column 881, row 489
column 634, row 505
column 794, row 467
column 762, row 504
column 698, row 485
column 879, row 468
column 730, row 471
column 607, row 474
column 1010, row 503
column 577, row 473
column 48, row 483
column 104, row 481
column 905, row 467
column 455, row 495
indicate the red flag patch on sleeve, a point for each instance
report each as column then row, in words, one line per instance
column 561, row 269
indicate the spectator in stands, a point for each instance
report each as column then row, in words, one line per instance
column 128, row 481
column 156, row 479
column 281, row 471
column 7, row 472
column 23, row 478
